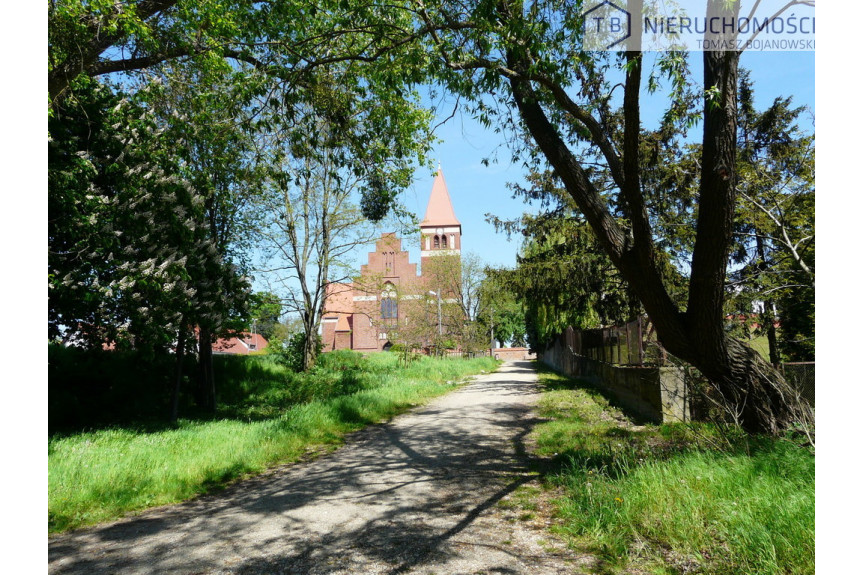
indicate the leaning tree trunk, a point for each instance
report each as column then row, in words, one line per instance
column 757, row 395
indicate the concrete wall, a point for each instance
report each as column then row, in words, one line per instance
column 656, row 394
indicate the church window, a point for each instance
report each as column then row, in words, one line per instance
column 437, row 242
column 443, row 241
column 389, row 302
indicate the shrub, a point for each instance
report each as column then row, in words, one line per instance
column 292, row 353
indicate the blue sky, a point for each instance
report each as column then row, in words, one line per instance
column 476, row 189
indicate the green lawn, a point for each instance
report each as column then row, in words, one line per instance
column 681, row 498
column 271, row 416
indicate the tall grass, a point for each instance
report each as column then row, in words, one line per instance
column 101, row 475
column 679, row 498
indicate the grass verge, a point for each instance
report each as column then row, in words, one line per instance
column 678, row 498
column 102, row 475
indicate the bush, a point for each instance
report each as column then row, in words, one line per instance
column 89, row 388
column 292, row 354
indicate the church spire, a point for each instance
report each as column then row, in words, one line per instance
column 439, row 211
column 440, row 229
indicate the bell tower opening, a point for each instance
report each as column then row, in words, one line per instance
column 440, row 229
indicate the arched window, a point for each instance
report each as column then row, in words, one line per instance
column 443, row 241
column 389, row 302
column 437, row 242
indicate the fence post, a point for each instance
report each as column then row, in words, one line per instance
column 640, row 343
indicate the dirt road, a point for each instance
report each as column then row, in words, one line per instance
column 417, row 495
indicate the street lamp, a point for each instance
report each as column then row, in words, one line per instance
column 439, row 325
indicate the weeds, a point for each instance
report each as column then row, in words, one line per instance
column 676, row 498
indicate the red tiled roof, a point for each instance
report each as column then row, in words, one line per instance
column 243, row 343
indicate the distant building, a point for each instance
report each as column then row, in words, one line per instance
column 363, row 315
column 242, row 343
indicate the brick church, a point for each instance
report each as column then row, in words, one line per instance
column 390, row 296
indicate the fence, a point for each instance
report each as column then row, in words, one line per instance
column 630, row 344
column 653, row 393
column 802, row 376
column 629, row 361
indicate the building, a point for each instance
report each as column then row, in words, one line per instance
column 243, row 343
column 390, row 297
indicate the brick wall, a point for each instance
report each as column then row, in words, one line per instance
column 513, row 353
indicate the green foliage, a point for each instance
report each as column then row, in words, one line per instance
column 775, row 239
column 347, row 64
column 502, row 309
column 292, row 353
column 563, row 276
column 678, row 497
column 265, row 310
column 131, row 253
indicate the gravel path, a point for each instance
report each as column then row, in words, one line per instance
column 419, row 494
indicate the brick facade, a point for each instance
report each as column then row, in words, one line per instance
column 361, row 315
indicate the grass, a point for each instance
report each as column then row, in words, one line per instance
column 679, row 498
column 762, row 345
column 268, row 417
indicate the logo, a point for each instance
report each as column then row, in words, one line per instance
column 606, row 26
column 694, row 25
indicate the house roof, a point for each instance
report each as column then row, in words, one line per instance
column 342, row 324
column 242, row 343
column 439, row 211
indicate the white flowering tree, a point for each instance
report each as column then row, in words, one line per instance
column 132, row 259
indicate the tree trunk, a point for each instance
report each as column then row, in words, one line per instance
column 206, row 381
column 309, row 351
column 768, row 315
column 757, row 395
column 178, row 374
column 310, row 347
column 772, row 342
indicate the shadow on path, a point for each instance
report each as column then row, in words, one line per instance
column 394, row 498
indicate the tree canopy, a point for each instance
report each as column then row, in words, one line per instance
column 521, row 67
column 518, row 67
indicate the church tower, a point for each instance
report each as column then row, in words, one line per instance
column 440, row 229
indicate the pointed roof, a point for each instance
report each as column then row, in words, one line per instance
column 439, row 211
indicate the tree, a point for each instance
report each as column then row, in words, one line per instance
column 125, row 257
column 233, row 74
column 502, row 316
column 459, row 279
column 529, row 61
column 131, row 258
column 265, row 311
column 215, row 145
column 291, row 43
column 775, row 236
column 313, row 224
column 311, row 227
column 563, row 277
